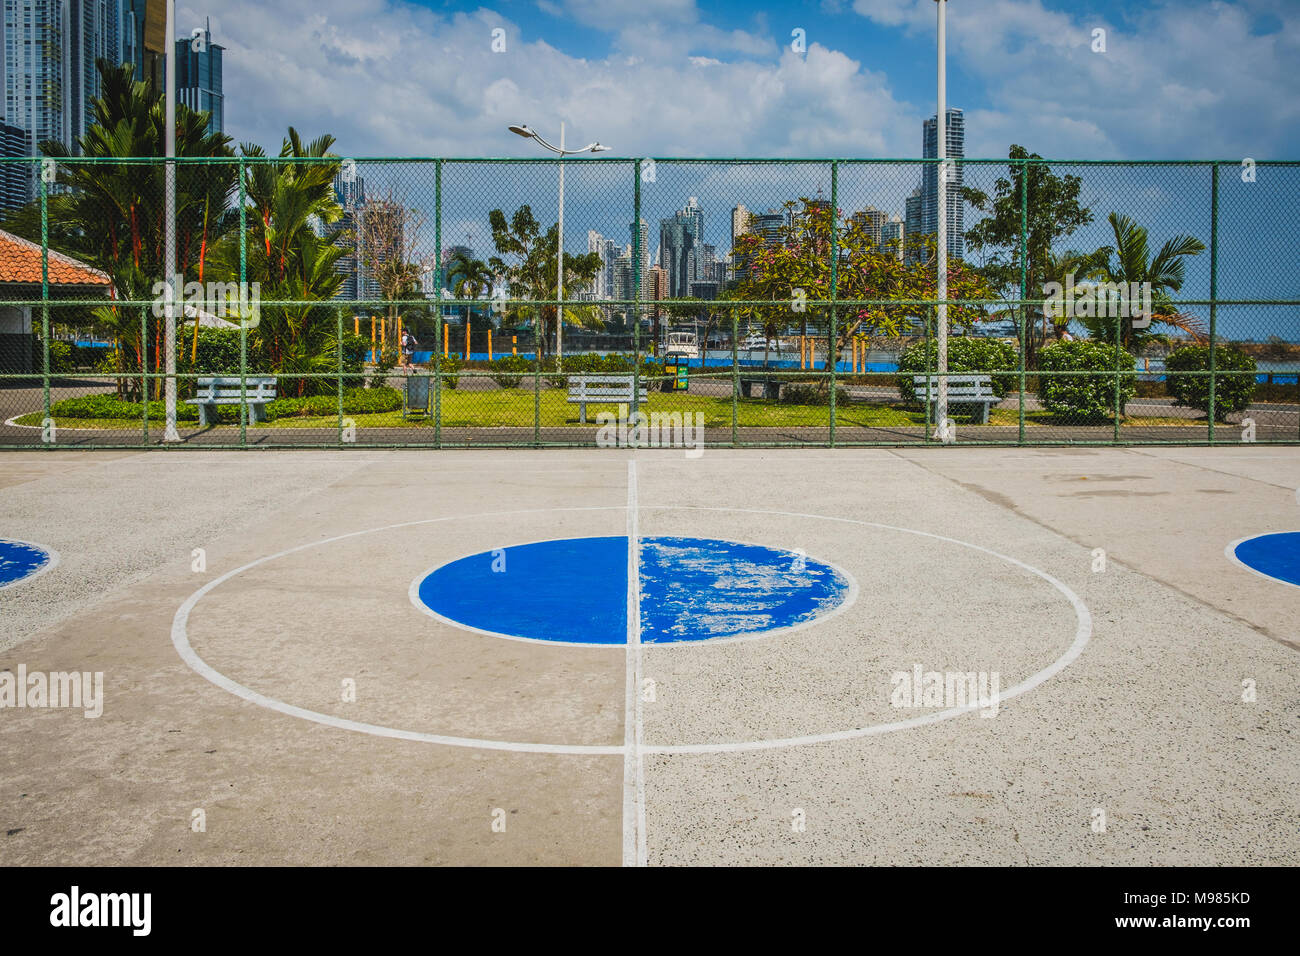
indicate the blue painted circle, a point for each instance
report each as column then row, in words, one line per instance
column 20, row 560
column 1274, row 555
column 574, row 590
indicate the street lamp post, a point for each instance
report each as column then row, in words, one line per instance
column 528, row 133
column 941, row 136
column 169, row 229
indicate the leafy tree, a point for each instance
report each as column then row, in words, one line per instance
column 1052, row 211
column 290, row 201
column 1128, row 263
column 111, row 214
column 798, row 267
column 469, row 278
column 529, row 268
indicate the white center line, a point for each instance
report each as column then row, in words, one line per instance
column 634, row 842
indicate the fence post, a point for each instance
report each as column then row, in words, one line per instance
column 243, row 325
column 144, row 368
column 1214, row 290
column 832, row 347
column 636, row 287
column 735, row 373
column 437, row 291
column 45, row 307
column 1024, row 293
column 1119, row 328
column 929, row 371
column 338, row 316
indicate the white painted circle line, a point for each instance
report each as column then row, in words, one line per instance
column 45, row 568
column 1231, row 552
column 180, row 641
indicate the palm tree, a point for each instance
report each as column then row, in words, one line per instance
column 290, row 251
column 1129, row 262
column 1068, row 269
column 110, row 213
column 469, row 278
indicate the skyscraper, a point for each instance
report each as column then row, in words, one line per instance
column 15, row 178
column 645, row 245
column 596, row 244
column 198, row 77
column 49, row 53
column 144, row 38
column 872, row 221
column 955, row 145
column 912, row 225
column 681, row 247
column 891, row 236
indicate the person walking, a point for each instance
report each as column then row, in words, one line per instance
column 408, row 348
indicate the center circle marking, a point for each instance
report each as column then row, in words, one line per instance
column 180, row 640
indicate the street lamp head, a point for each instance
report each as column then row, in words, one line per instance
column 597, row 148
column 522, row 130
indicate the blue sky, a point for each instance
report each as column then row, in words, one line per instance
column 1197, row 78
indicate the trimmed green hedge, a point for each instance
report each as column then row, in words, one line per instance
column 965, row 355
column 508, row 371
column 356, row 401
column 588, row 363
column 1232, row 393
column 1083, row 399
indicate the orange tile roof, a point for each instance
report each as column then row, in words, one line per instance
column 20, row 263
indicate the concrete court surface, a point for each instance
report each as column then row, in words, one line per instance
column 1123, row 687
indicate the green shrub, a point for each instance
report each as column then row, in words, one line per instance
column 386, row 361
column 1083, row 398
column 1232, row 393
column 965, row 355
column 60, row 355
column 450, row 366
column 508, row 371
column 356, row 401
column 813, row 393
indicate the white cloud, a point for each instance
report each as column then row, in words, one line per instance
column 1189, row 79
column 391, row 79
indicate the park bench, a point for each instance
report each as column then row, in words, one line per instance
column 967, row 394
column 226, row 391
column 770, row 384
column 597, row 389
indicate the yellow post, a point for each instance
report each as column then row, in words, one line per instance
column 372, row 330
column 489, row 343
column 467, row 327
column 514, row 345
column 446, row 341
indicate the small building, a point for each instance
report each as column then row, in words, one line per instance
column 20, row 279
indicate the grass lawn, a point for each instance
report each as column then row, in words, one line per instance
column 514, row 408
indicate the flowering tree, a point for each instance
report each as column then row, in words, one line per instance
column 795, row 270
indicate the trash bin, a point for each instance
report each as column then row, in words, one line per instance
column 677, row 368
column 417, row 397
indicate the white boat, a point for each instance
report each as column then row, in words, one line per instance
column 682, row 343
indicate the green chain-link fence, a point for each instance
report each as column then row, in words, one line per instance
column 731, row 302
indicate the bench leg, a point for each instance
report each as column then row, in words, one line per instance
column 203, row 416
column 256, row 412
column 582, row 413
